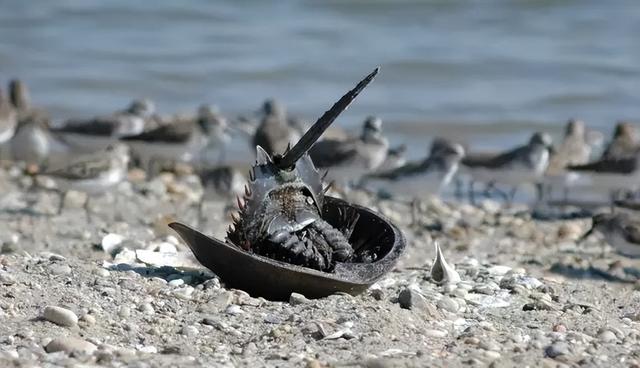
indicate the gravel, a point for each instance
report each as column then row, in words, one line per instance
column 528, row 292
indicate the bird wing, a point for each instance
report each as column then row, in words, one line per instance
column 620, row 166
column 408, row 169
column 97, row 126
column 170, row 133
column 88, row 166
column 331, row 152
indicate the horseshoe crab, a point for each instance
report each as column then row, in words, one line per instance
column 290, row 237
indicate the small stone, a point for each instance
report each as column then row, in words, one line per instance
column 6, row 278
column 559, row 328
column 190, row 331
column 233, row 310
column 297, row 299
column 557, row 349
column 88, row 319
column 488, row 344
column 377, row 294
column 60, row 316
column 146, row 308
column 605, row 335
column 435, row 333
column 447, row 304
column 124, row 312
column 184, row 293
column 70, row 345
column 176, row 282
column 59, row 269
column 102, row 272
column 491, row 354
column 75, row 199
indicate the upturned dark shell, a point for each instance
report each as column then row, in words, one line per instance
column 275, row 280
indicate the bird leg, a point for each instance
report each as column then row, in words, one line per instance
column 86, row 209
column 61, row 196
column 471, row 193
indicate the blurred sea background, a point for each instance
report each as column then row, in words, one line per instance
column 487, row 71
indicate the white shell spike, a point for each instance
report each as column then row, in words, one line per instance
column 441, row 272
column 262, row 157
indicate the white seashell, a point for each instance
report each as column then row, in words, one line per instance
column 441, row 272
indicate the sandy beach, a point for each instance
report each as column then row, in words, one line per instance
column 529, row 294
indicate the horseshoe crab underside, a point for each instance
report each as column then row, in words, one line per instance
column 275, row 280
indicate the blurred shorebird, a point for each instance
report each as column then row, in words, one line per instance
column 33, row 142
column 179, row 142
column 276, row 131
column 91, row 173
column 422, row 178
column 615, row 175
column 575, row 149
column 21, row 101
column 8, row 119
column 103, row 130
column 521, row 165
column 348, row 160
column 620, row 230
column 395, row 158
column 221, row 182
column 624, row 143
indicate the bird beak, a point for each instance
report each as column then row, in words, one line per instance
column 585, row 236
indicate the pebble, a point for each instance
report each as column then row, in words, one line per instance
column 102, row 272
column 59, row 269
column 146, row 308
column 447, row 304
column 412, row 299
column 557, row 349
column 6, row 278
column 176, row 282
column 233, row 310
column 184, row 293
column 124, row 311
column 435, row 333
column 88, row 319
column 70, row 345
column 297, row 299
column 190, row 331
column 60, row 316
column 606, row 335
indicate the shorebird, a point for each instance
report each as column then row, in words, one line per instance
column 620, row 230
column 348, row 160
column 221, row 182
column 422, row 178
column 104, row 130
column 395, row 158
column 521, row 165
column 624, row 143
column 21, row 101
column 276, row 131
column 8, row 119
column 425, row 177
column 574, row 150
column 179, row 142
column 91, row 173
column 615, row 175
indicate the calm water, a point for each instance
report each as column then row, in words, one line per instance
column 497, row 66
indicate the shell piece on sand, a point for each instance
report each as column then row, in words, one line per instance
column 441, row 272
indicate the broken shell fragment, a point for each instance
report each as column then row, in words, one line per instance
column 443, row 273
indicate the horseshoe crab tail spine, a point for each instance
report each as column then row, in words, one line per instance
column 311, row 136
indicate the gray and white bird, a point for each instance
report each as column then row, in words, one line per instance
column 620, row 230
column 624, row 143
column 396, row 157
column 8, row 119
column 179, row 142
column 91, row 173
column 103, row 130
column 575, row 149
column 348, row 160
column 422, row 178
column 614, row 175
column 522, row 165
column 276, row 130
